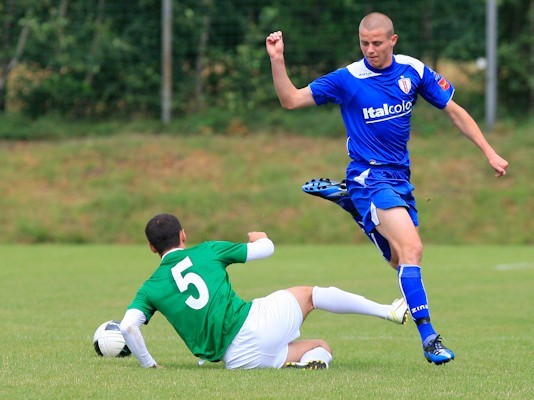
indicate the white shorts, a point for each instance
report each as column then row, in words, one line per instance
column 273, row 322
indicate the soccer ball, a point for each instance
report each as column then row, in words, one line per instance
column 108, row 340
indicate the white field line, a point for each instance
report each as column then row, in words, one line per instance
column 510, row 267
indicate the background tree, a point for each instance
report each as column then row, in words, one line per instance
column 15, row 31
column 88, row 59
column 516, row 56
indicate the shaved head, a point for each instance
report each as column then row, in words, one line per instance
column 377, row 40
column 376, row 21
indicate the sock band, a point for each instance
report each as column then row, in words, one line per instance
column 422, row 321
column 409, row 271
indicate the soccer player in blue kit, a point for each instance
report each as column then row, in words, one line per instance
column 376, row 96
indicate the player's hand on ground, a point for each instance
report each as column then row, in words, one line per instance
column 275, row 44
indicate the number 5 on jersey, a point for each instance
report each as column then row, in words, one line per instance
column 190, row 278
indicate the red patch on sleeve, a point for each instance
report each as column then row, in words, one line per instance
column 444, row 84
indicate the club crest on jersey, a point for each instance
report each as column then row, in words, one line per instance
column 444, row 84
column 405, row 84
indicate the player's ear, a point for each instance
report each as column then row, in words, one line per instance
column 152, row 248
column 394, row 39
column 183, row 238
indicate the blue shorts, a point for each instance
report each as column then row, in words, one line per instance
column 375, row 237
column 379, row 187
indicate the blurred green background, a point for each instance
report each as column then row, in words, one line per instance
column 84, row 156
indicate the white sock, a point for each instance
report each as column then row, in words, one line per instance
column 317, row 354
column 338, row 301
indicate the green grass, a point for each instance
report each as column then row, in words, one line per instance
column 55, row 296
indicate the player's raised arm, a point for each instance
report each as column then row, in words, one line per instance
column 467, row 125
column 131, row 331
column 259, row 246
column 290, row 97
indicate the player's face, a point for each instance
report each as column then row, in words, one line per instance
column 377, row 47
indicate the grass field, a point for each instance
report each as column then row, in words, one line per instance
column 55, row 296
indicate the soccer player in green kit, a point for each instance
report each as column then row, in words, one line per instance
column 192, row 289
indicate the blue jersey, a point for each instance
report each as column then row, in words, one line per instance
column 376, row 105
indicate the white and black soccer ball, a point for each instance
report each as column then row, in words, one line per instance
column 108, row 340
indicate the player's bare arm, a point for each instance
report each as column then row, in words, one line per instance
column 290, row 97
column 467, row 125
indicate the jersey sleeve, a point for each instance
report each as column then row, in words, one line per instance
column 261, row 248
column 142, row 303
column 326, row 89
column 229, row 252
column 435, row 89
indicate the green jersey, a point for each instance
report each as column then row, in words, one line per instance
column 191, row 288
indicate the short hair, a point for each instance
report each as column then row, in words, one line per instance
column 163, row 232
column 376, row 20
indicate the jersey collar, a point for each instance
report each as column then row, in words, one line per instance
column 169, row 252
column 383, row 70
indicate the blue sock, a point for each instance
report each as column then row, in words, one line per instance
column 411, row 284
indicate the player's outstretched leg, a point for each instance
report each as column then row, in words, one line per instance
column 336, row 192
column 335, row 300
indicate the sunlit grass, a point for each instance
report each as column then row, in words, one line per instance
column 54, row 297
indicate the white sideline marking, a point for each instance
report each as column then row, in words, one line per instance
column 509, row 267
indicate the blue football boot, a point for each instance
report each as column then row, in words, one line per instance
column 436, row 353
column 331, row 190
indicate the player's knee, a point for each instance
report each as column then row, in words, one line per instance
column 418, row 249
column 394, row 260
column 303, row 294
column 412, row 253
column 324, row 345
